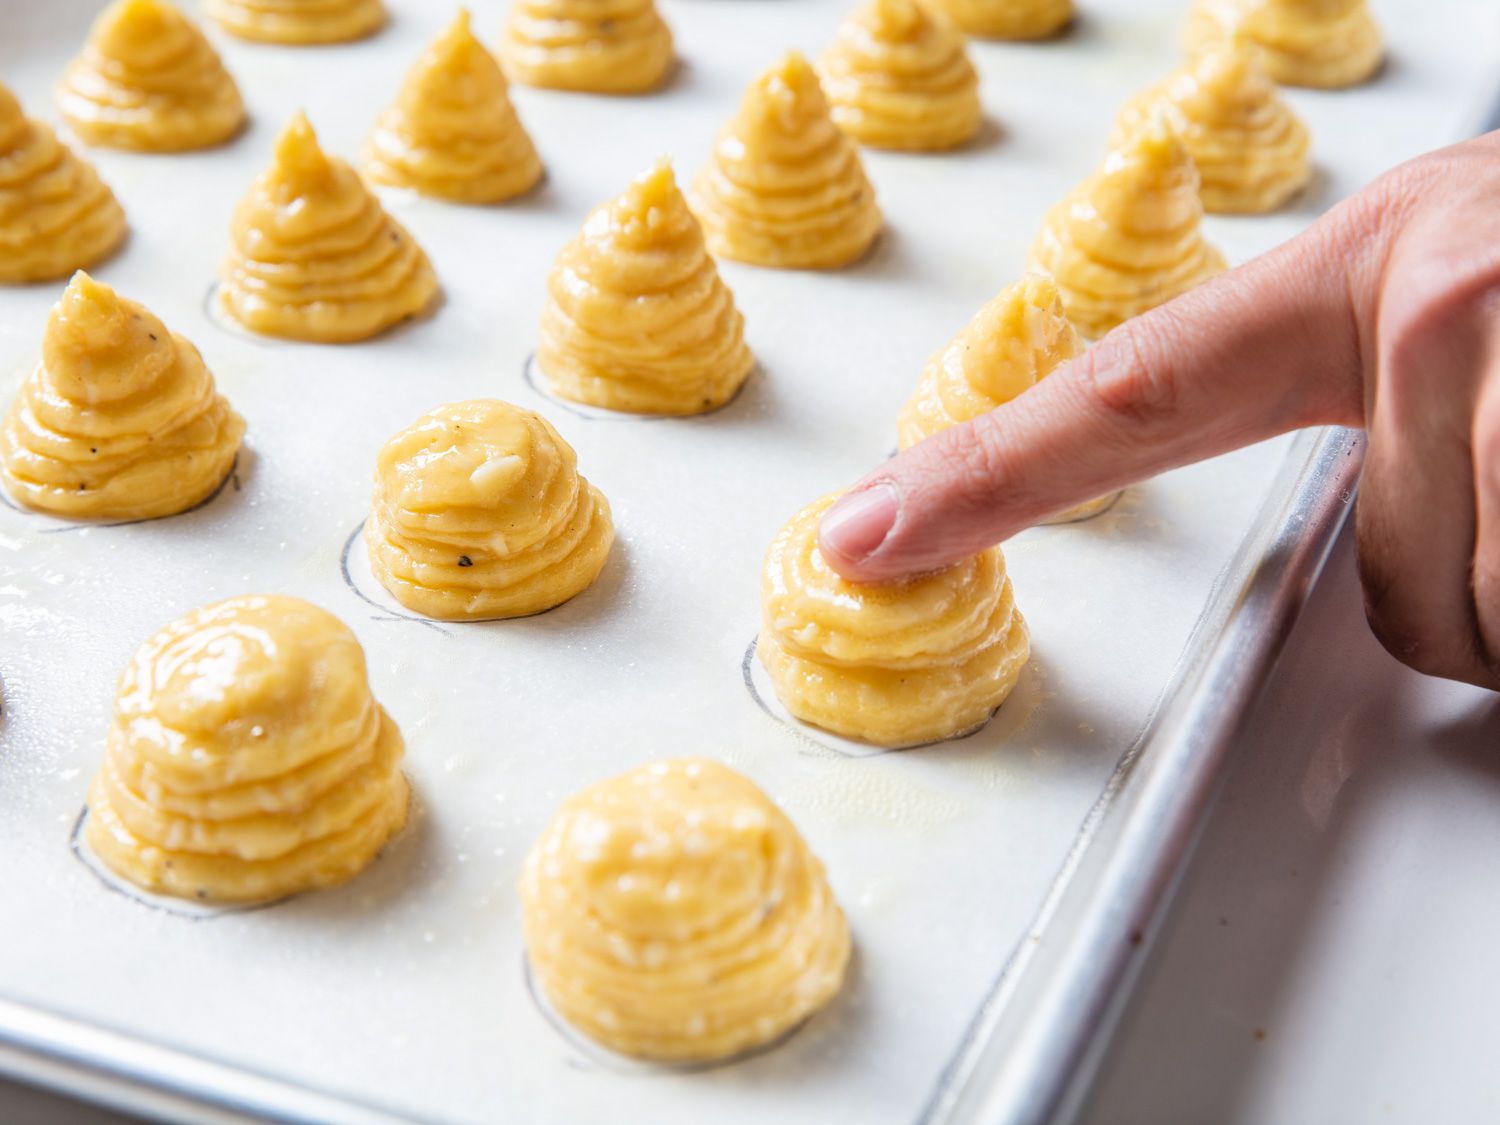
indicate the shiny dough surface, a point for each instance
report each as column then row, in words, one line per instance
column 298, row 22
column 784, row 186
column 452, row 132
column 120, row 420
column 894, row 664
column 1325, row 44
column 898, row 76
column 675, row 913
column 479, row 512
column 1129, row 237
column 56, row 215
column 596, row 46
column 313, row 255
column 637, row 317
column 148, row 80
column 1007, row 19
column 247, row 759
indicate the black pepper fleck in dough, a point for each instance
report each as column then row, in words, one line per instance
column 464, row 560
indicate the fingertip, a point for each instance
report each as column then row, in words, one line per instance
column 856, row 525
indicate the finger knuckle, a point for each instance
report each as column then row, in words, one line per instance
column 1130, row 376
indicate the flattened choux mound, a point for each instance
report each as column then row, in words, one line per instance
column 247, row 759
column 56, row 215
column 1325, row 44
column 1129, row 237
column 297, row 23
column 313, row 256
column 893, row 664
column 1008, row 19
column 593, row 46
column 637, row 317
column 452, row 133
column 479, row 512
column 1251, row 150
column 120, row 420
column 674, row 913
column 898, row 76
column 148, row 80
column 784, row 186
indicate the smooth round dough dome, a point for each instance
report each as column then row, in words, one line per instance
column 1325, row 44
column 298, row 22
column 1008, row 19
column 894, row 664
column 247, row 759
column 674, row 913
column 479, row 512
column 594, row 46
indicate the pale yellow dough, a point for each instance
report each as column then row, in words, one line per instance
column 784, row 186
column 298, row 22
column 898, row 76
column 894, row 664
column 1325, row 44
column 452, row 133
column 637, row 317
column 313, row 256
column 596, row 46
column 120, row 420
column 148, row 80
column 247, row 759
column 1251, row 150
column 56, row 215
column 1008, row 19
column 674, row 913
column 1129, row 237
column 479, row 512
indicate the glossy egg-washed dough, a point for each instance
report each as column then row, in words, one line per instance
column 148, row 80
column 1129, row 237
column 784, row 186
column 596, row 46
column 313, row 256
column 1326, row 44
column 452, row 132
column 479, row 512
column 298, row 22
column 898, row 76
column 56, row 215
column 120, row 420
column 894, row 664
column 1007, row 19
column 637, row 317
column 674, row 913
column 247, row 759
column 1251, row 150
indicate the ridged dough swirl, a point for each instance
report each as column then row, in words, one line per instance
column 784, row 186
column 898, row 76
column 894, row 664
column 479, row 512
column 1007, row 19
column 637, row 317
column 1325, row 44
column 56, row 215
column 313, row 256
column 247, row 759
column 594, row 46
column 674, row 913
column 298, row 22
column 120, row 420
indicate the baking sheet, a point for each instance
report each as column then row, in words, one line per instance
column 404, row 990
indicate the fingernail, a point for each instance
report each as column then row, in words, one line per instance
column 859, row 523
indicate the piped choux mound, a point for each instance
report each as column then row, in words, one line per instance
column 637, row 317
column 452, row 133
column 247, row 759
column 297, row 23
column 120, row 420
column 56, row 215
column 675, row 914
column 1129, row 237
column 893, row 664
column 593, row 46
column 313, row 256
column 479, row 512
column 148, row 80
column 784, row 186
column 1325, row 44
column 898, row 76
column 1008, row 19
column 1250, row 149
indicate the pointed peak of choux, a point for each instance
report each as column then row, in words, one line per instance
column 1155, row 143
column 1018, row 337
column 793, row 72
column 898, row 18
column 90, row 319
column 788, row 93
column 298, row 158
column 126, row 23
column 458, row 37
column 1038, row 291
column 655, row 187
column 86, row 298
column 650, row 209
